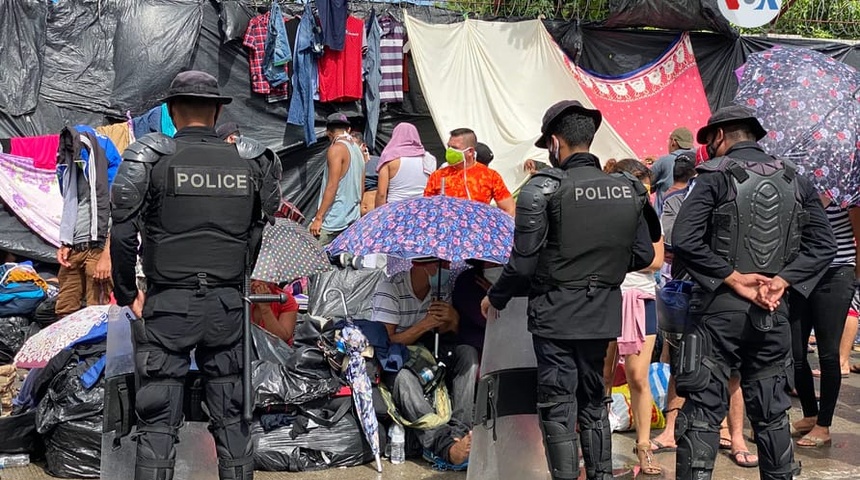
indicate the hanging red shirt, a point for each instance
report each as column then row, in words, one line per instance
column 340, row 72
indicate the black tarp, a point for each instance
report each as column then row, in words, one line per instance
column 675, row 14
column 22, row 39
column 16, row 238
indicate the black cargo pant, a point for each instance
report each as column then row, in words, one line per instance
column 176, row 321
column 570, row 388
column 763, row 359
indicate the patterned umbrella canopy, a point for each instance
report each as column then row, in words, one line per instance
column 362, row 394
column 41, row 347
column 806, row 101
column 288, row 252
column 448, row 228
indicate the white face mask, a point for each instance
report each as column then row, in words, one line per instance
column 493, row 274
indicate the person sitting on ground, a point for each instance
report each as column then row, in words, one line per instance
column 406, row 305
column 469, row 289
column 279, row 319
column 465, row 178
column 403, row 167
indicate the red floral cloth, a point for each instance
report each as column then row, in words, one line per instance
column 646, row 105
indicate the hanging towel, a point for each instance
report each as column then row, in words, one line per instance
column 43, row 150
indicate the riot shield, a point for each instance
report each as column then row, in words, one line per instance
column 196, row 458
column 506, row 438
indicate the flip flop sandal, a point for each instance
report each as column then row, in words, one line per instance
column 725, row 443
column 660, row 447
column 741, row 459
column 813, row 442
column 855, row 368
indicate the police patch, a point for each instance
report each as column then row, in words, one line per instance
column 210, row 181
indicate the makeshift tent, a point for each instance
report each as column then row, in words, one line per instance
column 498, row 79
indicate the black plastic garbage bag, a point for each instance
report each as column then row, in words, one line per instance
column 13, row 332
column 270, row 348
column 45, row 313
column 18, row 434
column 67, row 399
column 358, row 286
column 74, row 449
column 70, row 416
column 320, row 438
column 308, row 379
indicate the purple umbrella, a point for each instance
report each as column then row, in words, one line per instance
column 448, row 228
column 806, row 102
column 362, row 394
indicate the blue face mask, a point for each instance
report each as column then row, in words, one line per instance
column 442, row 273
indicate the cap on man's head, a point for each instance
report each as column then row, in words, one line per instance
column 683, row 137
column 226, row 129
column 196, row 84
column 483, row 154
column 558, row 110
column 731, row 115
column 337, row 120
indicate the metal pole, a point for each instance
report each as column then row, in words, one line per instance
column 247, row 397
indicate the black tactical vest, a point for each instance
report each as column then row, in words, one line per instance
column 757, row 229
column 593, row 218
column 201, row 208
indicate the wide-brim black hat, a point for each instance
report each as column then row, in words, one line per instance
column 555, row 112
column 731, row 115
column 196, row 84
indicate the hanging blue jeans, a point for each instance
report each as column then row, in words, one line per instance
column 304, row 76
column 277, row 48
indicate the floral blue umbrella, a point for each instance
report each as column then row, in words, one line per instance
column 807, row 102
column 355, row 343
column 447, row 228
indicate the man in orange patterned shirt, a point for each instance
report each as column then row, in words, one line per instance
column 465, row 178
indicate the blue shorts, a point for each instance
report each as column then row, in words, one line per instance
column 650, row 317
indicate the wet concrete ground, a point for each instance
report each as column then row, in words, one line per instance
column 840, row 461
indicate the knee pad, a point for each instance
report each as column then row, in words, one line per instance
column 595, row 436
column 775, row 448
column 698, row 443
column 236, row 469
column 156, row 454
column 561, row 455
column 158, row 396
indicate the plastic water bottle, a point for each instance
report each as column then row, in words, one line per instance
column 9, row 461
column 397, row 439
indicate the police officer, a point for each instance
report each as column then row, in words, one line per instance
column 578, row 232
column 750, row 229
column 196, row 201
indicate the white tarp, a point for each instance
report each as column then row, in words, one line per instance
column 498, row 79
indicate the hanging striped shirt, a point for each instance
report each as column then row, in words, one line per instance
column 846, row 248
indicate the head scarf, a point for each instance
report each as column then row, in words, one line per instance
column 405, row 142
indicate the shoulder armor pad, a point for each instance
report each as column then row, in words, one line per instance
column 718, row 164
column 149, row 148
column 547, row 180
column 249, row 148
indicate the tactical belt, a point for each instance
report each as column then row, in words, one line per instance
column 505, row 393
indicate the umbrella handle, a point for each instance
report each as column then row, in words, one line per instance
column 342, row 299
